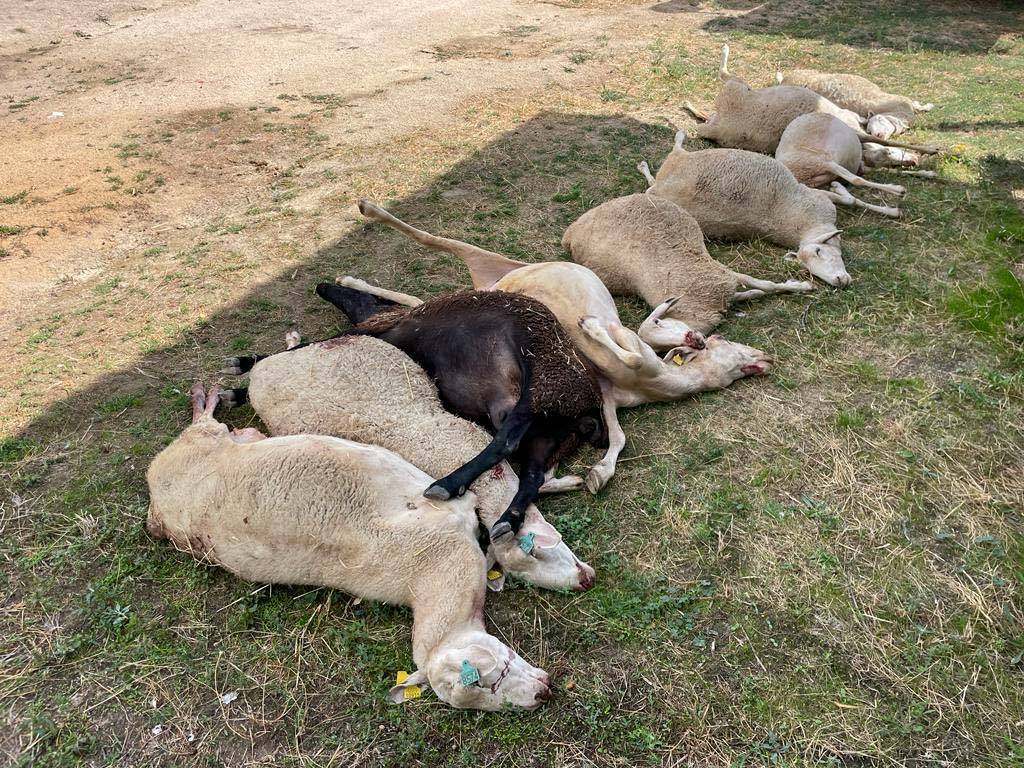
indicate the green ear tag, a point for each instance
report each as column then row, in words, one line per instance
column 526, row 542
column 469, row 674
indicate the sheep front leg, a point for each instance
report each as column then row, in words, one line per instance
column 537, row 454
column 859, row 181
column 595, row 331
column 764, row 287
column 502, row 445
column 841, row 195
column 603, row 471
column 554, row 484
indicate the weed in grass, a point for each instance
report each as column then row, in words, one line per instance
column 17, row 197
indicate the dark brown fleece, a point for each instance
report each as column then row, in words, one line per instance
column 562, row 380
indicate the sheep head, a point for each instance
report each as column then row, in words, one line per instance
column 886, row 126
column 474, row 670
column 664, row 332
column 548, row 562
column 823, row 257
column 722, row 362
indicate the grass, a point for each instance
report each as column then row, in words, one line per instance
column 822, row 567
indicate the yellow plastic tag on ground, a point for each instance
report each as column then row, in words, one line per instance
column 410, row 691
column 493, row 574
column 677, row 359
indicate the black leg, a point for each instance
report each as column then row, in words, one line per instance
column 502, row 445
column 232, row 398
column 356, row 305
column 531, row 479
column 236, row 366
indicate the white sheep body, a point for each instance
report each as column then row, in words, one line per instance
column 363, row 389
column 754, row 118
column 852, row 92
column 317, row 510
column 811, row 142
column 648, row 246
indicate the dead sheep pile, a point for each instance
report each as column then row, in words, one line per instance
column 406, row 456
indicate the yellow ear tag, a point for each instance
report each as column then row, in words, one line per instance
column 677, row 359
column 410, row 691
column 493, row 574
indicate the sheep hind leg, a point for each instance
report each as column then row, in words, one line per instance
column 859, row 181
column 761, row 288
column 919, row 174
column 233, row 398
column 696, row 113
column 645, row 169
column 393, row 296
column 504, row 443
column 595, row 331
column 485, row 267
column 841, row 195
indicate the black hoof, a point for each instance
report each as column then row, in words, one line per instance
column 437, row 492
column 499, row 529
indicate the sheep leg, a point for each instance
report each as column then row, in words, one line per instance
column 840, row 195
column 919, row 107
column 765, row 287
column 198, row 396
column 232, row 398
column 723, row 67
column 747, row 295
column 485, row 267
column 645, row 169
column 539, row 450
column 602, row 472
column 595, row 331
column 554, row 484
column 504, row 443
column 695, row 113
column 921, row 174
column 393, row 296
column 859, row 181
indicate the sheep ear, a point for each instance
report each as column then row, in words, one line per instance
column 827, row 236
column 408, row 687
column 481, row 658
column 545, row 536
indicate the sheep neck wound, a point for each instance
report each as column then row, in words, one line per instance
column 447, row 602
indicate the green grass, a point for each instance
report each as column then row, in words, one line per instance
column 822, row 567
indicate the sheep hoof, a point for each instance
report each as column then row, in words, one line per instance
column 499, row 529
column 232, row 366
column 437, row 493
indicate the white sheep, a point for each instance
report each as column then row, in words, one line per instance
column 818, row 149
column 363, row 389
column 310, row 509
column 648, row 246
column 754, row 118
column 738, row 195
column 888, row 114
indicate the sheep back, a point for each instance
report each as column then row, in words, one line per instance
column 814, row 140
column 754, row 119
column 739, row 195
column 648, row 246
column 852, row 92
column 364, row 389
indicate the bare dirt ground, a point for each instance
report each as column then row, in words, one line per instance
column 91, row 84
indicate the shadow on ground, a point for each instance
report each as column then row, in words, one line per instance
column 967, row 27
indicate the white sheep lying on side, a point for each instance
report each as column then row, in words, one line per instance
column 648, row 246
column 738, row 195
column 818, row 149
column 754, row 118
column 318, row 510
column 363, row 389
column 888, row 114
